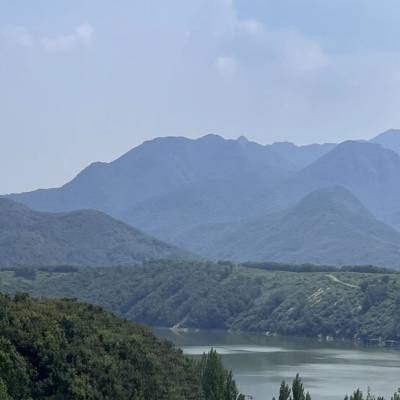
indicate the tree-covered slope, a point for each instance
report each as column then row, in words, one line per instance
column 328, row 226
column 262, row 297
column 61, row 349
column 83, row 237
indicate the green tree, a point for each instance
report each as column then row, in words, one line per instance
column 212, row 376
column 3, row 391
column 231, row 392
column 284, row 391
column 216, row 382
column 298, row 389
column 396, row 396
column 13, row 370
column 357, row 395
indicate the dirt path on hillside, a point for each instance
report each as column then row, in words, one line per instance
column 334, row 279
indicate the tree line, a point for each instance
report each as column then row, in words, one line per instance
column 296, row 391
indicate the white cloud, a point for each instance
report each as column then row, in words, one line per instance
column 250, row 26
column 227, row 67
column 17, row 35
column 20, row 36
column 82, row 35
column 226, row 23
column 303, row 54
column 251, row 43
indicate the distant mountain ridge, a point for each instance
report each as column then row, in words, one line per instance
column 301, row 156
column 329, row 226
column 174, row 187
column 389, row 139
column 169, row 183
column 84, row 237
column 369, row 171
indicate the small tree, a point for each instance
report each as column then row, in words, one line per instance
column 3, row 391
column 231, row 389
column 217, row 383
column 357, row 395
column 298, row 389
column 396, row 396
column 284, row 391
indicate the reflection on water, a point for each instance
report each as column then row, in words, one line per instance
column 329, row 370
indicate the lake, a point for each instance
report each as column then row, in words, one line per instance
column 329, row 370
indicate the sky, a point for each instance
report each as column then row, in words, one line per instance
column 87, row 80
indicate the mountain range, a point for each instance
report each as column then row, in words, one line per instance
column 180, row 190
column 328, row 226
column 84, row 237
column 368, row 170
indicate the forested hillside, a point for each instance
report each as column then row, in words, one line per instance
column 62, row 349
column 84, row 237
column 261, row 297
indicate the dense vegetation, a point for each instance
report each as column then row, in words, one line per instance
column 342, row 304
column 62, row 349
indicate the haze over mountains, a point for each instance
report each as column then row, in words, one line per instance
column 87, row 237
column 389, row 139
column 328, row 226
column 179, row 190
column 368, row 170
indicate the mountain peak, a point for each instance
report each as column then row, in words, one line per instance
column 242, row 139
column 356, row 150
column 329, row 198
column 211, row 137
column 388, row 133
column 389, row 139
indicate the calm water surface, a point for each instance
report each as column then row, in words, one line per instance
column 329, row 370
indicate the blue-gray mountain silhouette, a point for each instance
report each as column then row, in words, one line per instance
column 389, row 139
column 369, row 171
column 328, row 226
column 167, row 185
column 173, row 187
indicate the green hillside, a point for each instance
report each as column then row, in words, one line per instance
column 262, row 297
column 61, row 349
column 84, row 237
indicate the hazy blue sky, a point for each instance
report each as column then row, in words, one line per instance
column 87, row 80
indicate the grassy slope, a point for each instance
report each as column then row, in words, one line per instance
column 206, row 295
